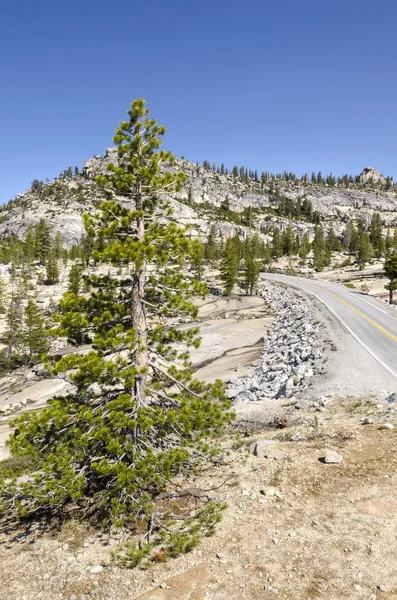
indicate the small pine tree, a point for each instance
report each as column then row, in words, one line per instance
column 14, row 320
column 52, row 270
column 251, row 275
column 229, row 266
column 211, row 247
column 321, row 255
column 390, row 268
column 304, row 248
column 198, row 259
column 75, row 279
column 35, row 337
column 3, row 296
column 365, row 251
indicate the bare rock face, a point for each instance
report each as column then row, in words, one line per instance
column 371, row 174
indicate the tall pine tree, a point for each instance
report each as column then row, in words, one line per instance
column 111, row 449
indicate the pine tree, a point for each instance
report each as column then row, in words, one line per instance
column 52, row 270
column 198, row 259
column 229, row 266
column 321, row 255
column 277, row 245
column 211, row 247
column 365, row 250
column 375, row 235
column 333, row 243
column 3, row 296
column 390, row 268
column 304, row 248
column 75, row 279
column 251, row 275
column 288, row 240
column 34, row 336
column 14, row 320
column 388, row 242
column 42, row 244
column 121, row 442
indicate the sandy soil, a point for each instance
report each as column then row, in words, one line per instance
column 295, row 527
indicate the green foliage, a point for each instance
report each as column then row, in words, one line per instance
column 198, row 259
column 304, row 248
column 229, row 266
column 251, row 275
column 321, row 254
column 52, row 269
column 35, row 337
column 375, row 235
column 3, row 296
column 137, row 418
column 13, row 336
column 390, row 269
column 75, row 279
column 178, row 538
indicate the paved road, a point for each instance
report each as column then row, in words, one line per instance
column 367, row 320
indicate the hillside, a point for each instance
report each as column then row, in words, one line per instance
column 233, row 204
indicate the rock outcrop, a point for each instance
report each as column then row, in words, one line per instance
column 370, row 174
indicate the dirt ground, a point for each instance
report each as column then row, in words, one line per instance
column 295, row 527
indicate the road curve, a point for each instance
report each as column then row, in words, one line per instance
column 364, row 317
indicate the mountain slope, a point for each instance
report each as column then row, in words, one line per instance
column 207, row 198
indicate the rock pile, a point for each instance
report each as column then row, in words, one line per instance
column 290, row 355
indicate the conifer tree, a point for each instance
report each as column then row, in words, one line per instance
column 3, row 296
column 14, row 320
column 288, row 240
column 390, row 268
column 304, row 248
column 251, row 275
column 388, row 242
column 229, row 266
column 75, row 279
column 35, row 337
column 365, row 250
column 52, row 270
column 375, row 235
column 198, row 259
column 321, row 255
column 333, row 243
column 277, row 244
column 42, row 245
column 113, row 448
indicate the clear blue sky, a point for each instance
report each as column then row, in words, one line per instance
column 273, row 85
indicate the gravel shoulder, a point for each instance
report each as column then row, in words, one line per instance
column 348, row 369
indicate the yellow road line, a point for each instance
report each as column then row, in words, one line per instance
column 390, row 335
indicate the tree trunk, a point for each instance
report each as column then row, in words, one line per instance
column 140, row 355
column 390, row 294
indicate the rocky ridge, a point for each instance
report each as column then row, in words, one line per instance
column 291, row 352
column 62, row 202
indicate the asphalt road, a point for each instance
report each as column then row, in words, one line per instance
column 369, row 321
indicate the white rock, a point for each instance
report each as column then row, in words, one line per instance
column 332, row 457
